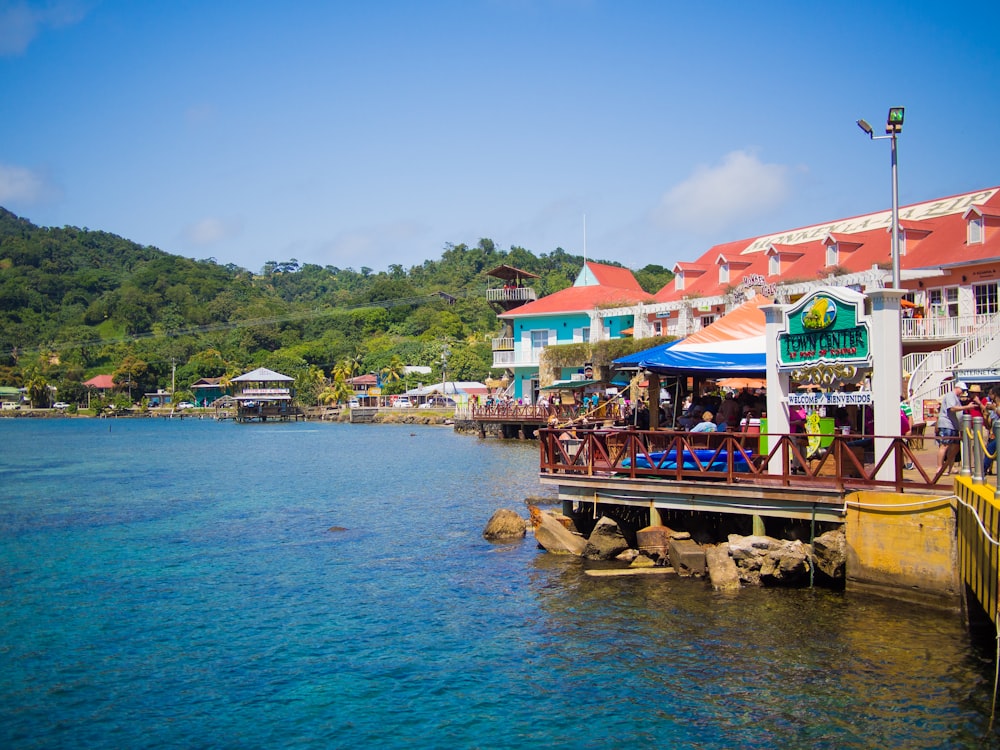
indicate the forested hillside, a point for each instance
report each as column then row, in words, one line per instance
column 76, row 302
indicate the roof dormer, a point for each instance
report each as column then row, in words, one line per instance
column 837, row 246
column 910, row 235
column 780, row 258
column 979, row 222
column 685, row 272
column 727, row 267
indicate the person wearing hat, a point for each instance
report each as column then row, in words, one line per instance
column 706, row 424
column 948, row 424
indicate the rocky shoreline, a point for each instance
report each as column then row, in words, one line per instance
column 739, row 561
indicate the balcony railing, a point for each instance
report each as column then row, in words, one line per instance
column 503, row 344
column 511, row 294
column 941, row 328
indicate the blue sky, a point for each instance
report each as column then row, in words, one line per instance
column 358, row 134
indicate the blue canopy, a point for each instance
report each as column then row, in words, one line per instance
column 634, row 360
column 674, row 361
column 732, row 345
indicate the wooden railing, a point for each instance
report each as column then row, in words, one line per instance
column 564, row 414
column 731, row 457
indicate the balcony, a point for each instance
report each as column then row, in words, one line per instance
column 503, row 344
column 942, row 328
column 518, row 294
column 504, row 359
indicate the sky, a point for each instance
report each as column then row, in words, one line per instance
column 371, row 134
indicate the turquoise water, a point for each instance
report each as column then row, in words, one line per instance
column 168, row 583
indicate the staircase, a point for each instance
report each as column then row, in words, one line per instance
column 929, row 370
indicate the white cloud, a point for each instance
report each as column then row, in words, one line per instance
column 21, row 22
column 711, row 198
column 210, row 231
column 21, row 185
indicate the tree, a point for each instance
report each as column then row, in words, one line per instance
column 336, row 392
column 392, row 374
column 38, row 390
column 309, row 384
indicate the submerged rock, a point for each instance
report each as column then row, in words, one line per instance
column 606, row 541
column 830, row 553
column 722, row 570
column 553, row 536
column 505, row 524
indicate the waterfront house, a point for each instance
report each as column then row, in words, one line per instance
column 264, row 394
column 207, row 390
column 567, row 316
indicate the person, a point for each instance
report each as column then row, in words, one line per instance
column 991, row 413
column 706, row 424
column 797, row 416
column 642, row 416
column 729, row 413
column 948, row 423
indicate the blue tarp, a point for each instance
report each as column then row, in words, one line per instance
column 668, row 460
column 669, row 360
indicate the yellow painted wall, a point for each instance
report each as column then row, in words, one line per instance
column 903, row 543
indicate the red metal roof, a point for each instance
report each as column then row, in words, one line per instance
column 103, row 382
column 936, row 236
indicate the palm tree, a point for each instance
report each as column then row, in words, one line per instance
column 335, row 393
column 394, row 371
column 38, row 390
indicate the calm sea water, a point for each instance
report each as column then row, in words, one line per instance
column 168, row 583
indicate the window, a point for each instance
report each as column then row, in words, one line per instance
column 976, row 230
column 832, row 254
column 679, row 280
column 774, row 265
column 582, row 335
column 986, row 298
column 539, row 340
column 724, row 273
column 707, row 320
column 943, row 302
column 657, row 328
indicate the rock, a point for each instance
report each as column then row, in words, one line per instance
column 505, row 524
column 336, row 528
column 553, row 536
column 687, row 557
column 722, row 570
column 787, row 564
column 830, row 553
column 641, row 561
column 606, row 541
column 763, row 560
column 628, row 555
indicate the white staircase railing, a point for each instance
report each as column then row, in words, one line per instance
column 928, row 370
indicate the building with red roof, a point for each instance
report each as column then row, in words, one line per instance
column 949, row 259
column 568, row 316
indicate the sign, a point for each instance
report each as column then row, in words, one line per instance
column 931, row 408
column 919, row 212
column 824, row 328
column 983, row 373
column 836, row 398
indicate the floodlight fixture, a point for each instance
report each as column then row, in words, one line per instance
column 894, row 122
column 893, row 127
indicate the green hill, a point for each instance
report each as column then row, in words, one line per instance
column 76, row 302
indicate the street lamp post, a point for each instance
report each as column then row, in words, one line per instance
column 445, row 351
column 893, row 126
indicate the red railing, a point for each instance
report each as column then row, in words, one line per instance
column 564, row 413
column 732, row 457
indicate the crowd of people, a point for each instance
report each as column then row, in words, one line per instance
column 972, row 401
